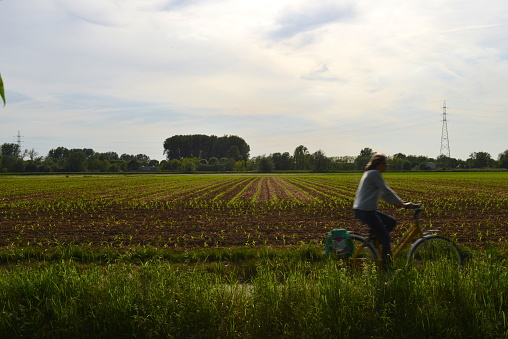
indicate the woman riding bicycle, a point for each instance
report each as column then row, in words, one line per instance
column 372, row 188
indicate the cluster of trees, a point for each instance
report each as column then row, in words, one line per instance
column 205, row 147
column 198, row 152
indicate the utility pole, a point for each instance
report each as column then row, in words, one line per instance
column 445, row 142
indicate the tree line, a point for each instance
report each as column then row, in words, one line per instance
column 61, row 159
column 303, row 160
column 227, row 157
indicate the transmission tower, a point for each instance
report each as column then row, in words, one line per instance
column 19, row 140
column 445, row 142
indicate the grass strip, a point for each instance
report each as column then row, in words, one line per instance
column 290, row 293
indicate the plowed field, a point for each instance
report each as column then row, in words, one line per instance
column 188, row 211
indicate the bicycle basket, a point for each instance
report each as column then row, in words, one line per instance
column 338, row 243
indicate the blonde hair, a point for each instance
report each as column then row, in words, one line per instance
column 375, row 160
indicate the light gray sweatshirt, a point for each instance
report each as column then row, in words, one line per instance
column 372, row 188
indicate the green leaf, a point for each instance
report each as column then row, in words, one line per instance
column 2, row 94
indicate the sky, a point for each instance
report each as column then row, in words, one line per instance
column 337, row 76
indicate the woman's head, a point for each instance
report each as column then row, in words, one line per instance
column 376, row 162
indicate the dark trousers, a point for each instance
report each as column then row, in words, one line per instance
column 380, row 225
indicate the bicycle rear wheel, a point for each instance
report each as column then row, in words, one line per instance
column 363, row 249
column 434, row 249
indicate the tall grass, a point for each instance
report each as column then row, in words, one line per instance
column 268, row 293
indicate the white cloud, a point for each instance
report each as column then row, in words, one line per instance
column 336, row 76
column 310, row 16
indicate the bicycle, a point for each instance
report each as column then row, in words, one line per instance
column 427, row 246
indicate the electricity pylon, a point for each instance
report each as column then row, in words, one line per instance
column 445, row 142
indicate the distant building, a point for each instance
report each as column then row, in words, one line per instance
column 148, row 168
column 431, row 165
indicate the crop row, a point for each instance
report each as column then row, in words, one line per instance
column 236, row 210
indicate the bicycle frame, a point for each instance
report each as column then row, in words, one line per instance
column 414, row 232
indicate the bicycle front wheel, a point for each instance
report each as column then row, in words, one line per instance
column 434, row 249
column 363, row 249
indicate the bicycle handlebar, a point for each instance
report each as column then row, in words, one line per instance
column 414, row 207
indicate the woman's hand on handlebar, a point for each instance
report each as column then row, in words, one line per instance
column 410, row 205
